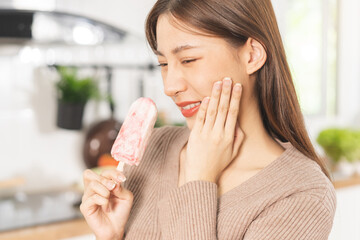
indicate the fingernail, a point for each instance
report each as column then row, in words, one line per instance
column 227, row 78
column 206, row 100
column 121, row 178
column 218, row 85
column 227, row 82
column 237, row 87
column 111, row 185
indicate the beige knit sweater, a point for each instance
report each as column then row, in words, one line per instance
column 289, row 199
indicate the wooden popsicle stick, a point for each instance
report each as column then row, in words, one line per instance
column 120, row 166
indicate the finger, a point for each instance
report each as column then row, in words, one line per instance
column 239, row 138
column 122, row 193
column 224, row 104
column 114, row 175
column 98, row 188
column 90, row 205
column 110, row 177
column 101, row 188
column 213, row 106
column 89, row 176
column 233, row 112
column 200, row 116
column 118, row 190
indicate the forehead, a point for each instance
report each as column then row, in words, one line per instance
column 171, row 34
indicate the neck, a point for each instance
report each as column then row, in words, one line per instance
column 258, row 148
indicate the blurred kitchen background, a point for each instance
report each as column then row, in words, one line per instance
column 43, row 155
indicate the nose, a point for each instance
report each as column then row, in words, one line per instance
column 174, row 81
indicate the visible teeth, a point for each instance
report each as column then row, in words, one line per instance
column 191, row 106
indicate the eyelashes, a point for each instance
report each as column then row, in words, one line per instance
column 162, row 65
column 188, row 61
column 183, row 62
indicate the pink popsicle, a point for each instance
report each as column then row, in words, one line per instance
column 135, row 132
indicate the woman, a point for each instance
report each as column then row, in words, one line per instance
column 240, row 169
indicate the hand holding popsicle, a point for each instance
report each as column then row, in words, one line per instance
column 216, row 136
column 105, row 204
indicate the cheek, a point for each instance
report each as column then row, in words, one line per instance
column 163, row 75
column 226, row 64
column 202, row 78
column 202, row 85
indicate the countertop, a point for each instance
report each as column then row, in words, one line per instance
column 55, row 231
column 348, row 182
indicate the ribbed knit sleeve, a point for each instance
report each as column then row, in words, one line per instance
column 300, row 216
column 189, row 212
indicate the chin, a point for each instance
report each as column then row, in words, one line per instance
column 190, row 122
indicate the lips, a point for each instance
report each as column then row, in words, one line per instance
column 188, row 109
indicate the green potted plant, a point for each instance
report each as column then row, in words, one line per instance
column 342, row 146
column 73, row 93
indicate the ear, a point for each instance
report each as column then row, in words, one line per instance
column 255, row 55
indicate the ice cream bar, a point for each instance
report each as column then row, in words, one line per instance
column 132, row 139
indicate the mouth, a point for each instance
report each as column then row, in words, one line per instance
column 191, row 106
column 188, row 109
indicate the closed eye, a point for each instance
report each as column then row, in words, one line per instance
column 162, row 64
column 183, row 62
column 188, row 61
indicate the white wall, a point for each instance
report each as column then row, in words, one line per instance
column 128, row 15
column 349, row 62
column 347, row 215
column 348, row 108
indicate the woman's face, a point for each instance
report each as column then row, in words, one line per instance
column 192, row 63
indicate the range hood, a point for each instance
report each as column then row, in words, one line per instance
column 47, row 27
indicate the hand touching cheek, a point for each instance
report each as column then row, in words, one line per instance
column 216, row 137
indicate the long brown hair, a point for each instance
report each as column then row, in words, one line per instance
column 236, row 21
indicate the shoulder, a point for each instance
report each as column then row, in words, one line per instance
column 305, row 199
column 304, row 178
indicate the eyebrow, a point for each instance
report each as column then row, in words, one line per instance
column 176, row 50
